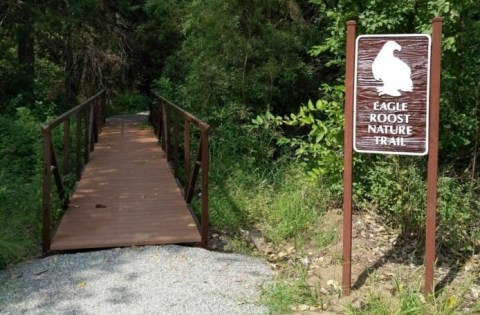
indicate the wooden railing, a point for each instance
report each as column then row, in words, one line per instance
column 167, row 120
column 91, row 114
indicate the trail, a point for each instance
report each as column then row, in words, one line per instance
column 138, row 280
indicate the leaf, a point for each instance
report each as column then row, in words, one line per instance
column 258, row 120
column 310, row 105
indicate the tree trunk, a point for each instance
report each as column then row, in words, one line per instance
column 73, row 69
column 26, row 56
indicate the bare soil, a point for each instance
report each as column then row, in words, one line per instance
column 382, row 260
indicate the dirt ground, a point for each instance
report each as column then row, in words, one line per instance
column 382, row 262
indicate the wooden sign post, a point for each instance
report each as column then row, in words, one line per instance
column 392, row 102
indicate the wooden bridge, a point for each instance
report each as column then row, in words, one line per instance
column 133, row 178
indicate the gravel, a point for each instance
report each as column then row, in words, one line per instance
column 139, row 280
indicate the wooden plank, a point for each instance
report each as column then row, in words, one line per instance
column 127, row 196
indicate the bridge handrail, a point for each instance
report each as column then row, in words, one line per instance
column 163, row 114
column 199, row 123
column 59, row 119
column 94, row 113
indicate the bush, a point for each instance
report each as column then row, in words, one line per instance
column 459, row 216
column 128, row 103
column 394, row 187
column 20, row 186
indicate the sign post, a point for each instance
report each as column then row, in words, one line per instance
column 348, row 167
column 392, row 107
column 435, row 72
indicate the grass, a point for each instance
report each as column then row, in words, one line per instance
column 324, row 238
column 291, row 290
column 407, row 298
column 281, row 204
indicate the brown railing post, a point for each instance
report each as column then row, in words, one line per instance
column 201, row 161
column 91, row 125
column 96, row 120
column 176, row 145
column 78, row 169
column 158, row 123
column 66, row 146
column 205, row 165
column 186, row 155
column 165, row 142
column 46, row 202
column 193, row 180
column 86, row 145
column 104, row 106
column 57, row 176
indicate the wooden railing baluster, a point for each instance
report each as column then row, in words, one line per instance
column 46, row 198
column 78, row 169
column 161, row 119
column 205, row 166
column 93, row 112
column 193, row 180
column 66, row 146
column 175, row 146
column 86, row 144
column 57, row 176
column 91, row 124
column 186, row 159
column 165, row 141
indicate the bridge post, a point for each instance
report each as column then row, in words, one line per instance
column 46, row 199
column 66, row 146
column 205, row 166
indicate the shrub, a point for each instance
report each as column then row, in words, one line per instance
column 128, row 103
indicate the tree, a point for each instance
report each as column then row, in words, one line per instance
column 246, row 52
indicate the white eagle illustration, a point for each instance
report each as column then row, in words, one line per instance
column 394, row 73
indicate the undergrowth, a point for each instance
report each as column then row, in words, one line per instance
column 19, row 186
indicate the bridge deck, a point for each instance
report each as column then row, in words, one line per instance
column 127, row 195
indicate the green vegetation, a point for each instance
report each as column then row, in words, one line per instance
column 128, row 103
column 285, row 293
column 268, row 77
column 408, row 299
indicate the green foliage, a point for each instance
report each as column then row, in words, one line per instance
column 458, row 213
column 322, row 238
column 250, row 52
column 409, row 303
column 394, row 187
column 406, row 297
column 20, row 186
column 317, row 131
column 128, row 103
column 290, row 290
column 250, row 187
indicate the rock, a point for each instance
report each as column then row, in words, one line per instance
column 334, row 284
column 282, row 254
column 475, row 292
column 290, row 249
column 324, row 291
column 305, row 261
column 303, row 307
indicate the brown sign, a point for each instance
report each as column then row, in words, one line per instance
column 391, row 94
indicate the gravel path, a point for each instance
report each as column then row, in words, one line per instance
column 140, row 280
